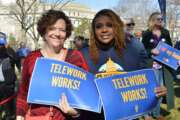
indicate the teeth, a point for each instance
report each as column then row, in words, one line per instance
column 105, row 37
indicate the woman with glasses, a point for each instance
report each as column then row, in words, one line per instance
column 150, row 38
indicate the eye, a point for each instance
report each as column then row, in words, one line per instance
column 62, row 30
column 59, row 29
column 109, row 25
column 99, row 25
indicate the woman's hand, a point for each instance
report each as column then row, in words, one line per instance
column 160, row 91
column 19, row 117
column 65, row 108
column 179, row 63
column 155, row 51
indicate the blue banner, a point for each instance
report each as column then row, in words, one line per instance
column 168, row 55
column 51, row 78
column 129, row 95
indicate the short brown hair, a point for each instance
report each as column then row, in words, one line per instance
column 49, row 18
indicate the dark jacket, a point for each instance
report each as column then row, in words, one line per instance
column 148, row 36
column 133, row 58
column 167, row 76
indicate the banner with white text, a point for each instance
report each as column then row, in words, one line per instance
column 129, row 95
column 51, row 78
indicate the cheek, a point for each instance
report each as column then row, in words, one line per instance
column 97, row 33
column 64, row 34
column 47, row 34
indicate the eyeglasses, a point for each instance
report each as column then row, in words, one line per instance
column 130, row 24
column 159, row 19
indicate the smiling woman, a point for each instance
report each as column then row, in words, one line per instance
column 54, row 27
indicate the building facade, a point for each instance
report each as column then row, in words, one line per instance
column 10, row 25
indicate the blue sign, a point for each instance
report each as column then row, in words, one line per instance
column 51, row 78
column 129, row 95
column 168, row 55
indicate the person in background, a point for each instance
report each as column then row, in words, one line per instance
column 138, row 35
column 78, row 42
column 129, row 27
column 8, row 61
column 54, row 27
column 22, row 52
column 108, row 40
column 150, row 38
column 177, row 72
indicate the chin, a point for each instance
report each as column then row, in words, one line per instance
column 107, row 41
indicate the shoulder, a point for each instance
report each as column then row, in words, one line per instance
column 85, row 50
column 32, row 56
column 75, row 57
column 73, row 53
column 136, row 43
column 165, row 31
column 146, row 33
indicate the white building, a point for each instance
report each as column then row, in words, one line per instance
column 9, row 25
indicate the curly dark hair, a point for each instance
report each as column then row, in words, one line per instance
column 49, row 18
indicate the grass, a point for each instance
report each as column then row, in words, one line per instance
column 173, row 114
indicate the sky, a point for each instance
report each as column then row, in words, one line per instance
column 7, row 1
column 95, row 5
column 98, row 4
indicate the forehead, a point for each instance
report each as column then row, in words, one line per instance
column 60, row 22
column 129, row 21
column 157, row 16
column 103, row 19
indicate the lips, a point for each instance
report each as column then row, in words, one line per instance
column 105, row 36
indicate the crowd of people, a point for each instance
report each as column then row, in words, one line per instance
column 110, row 37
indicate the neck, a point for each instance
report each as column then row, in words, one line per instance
column 105, row 47
column 52, row 53
column 51, row 50
column 157, row 27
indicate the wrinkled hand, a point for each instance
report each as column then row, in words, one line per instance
column 19, row 117
column 65, row 108
column 160, row 91
column 155, row 51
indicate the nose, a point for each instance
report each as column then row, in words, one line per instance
column 104, row 28
column 58, row 32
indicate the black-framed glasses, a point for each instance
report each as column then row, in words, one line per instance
column 130, row 24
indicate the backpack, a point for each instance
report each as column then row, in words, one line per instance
column 7, row 78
